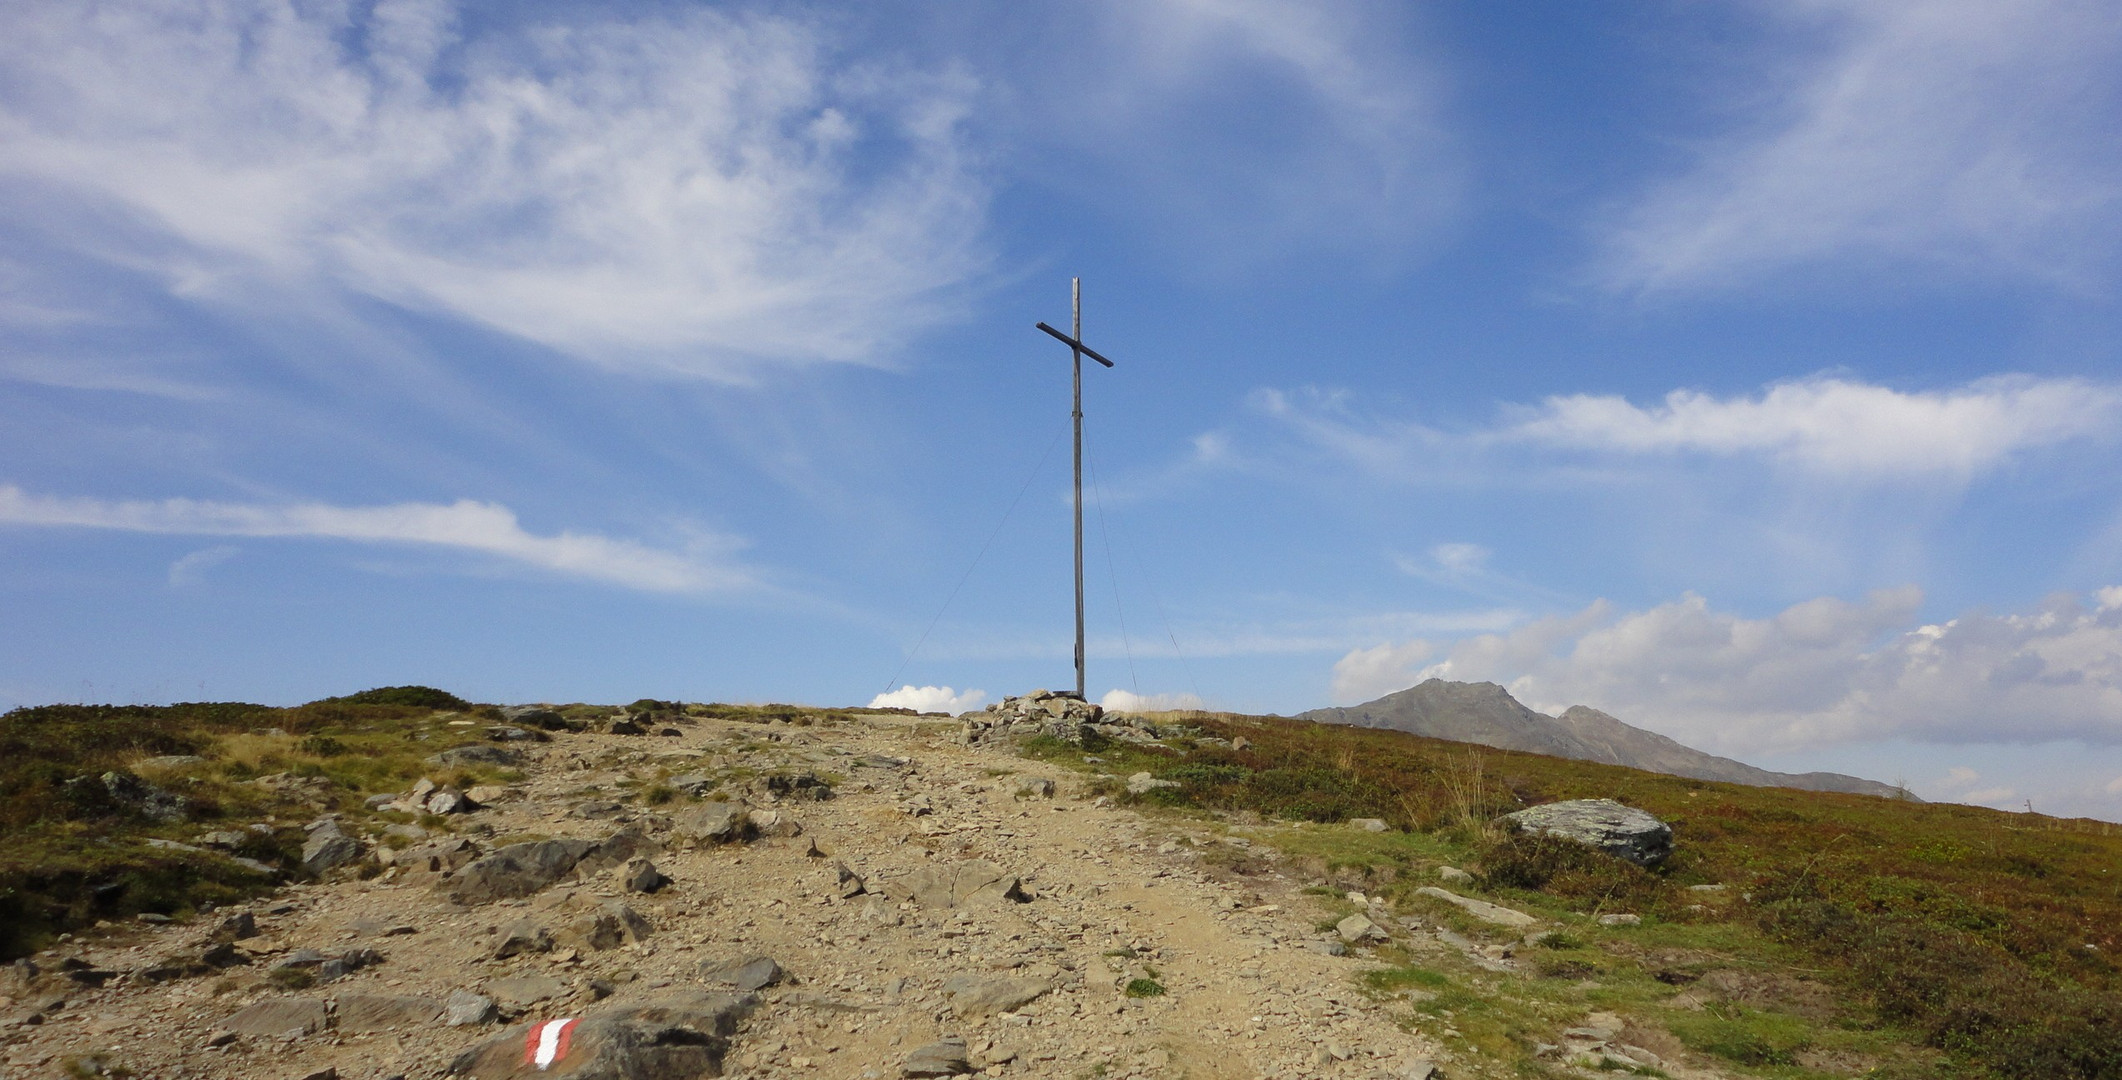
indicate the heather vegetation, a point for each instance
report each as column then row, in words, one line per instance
column 99, row 803
column 1955, row 940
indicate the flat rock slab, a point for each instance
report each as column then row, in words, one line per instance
column 667, row 1039
column 946, row 1058
column 381, row 1012
column 278, row 1016
column 1479, row 909
column 748, row 974
column 517, row 870
column 466, row 1008
column 974, row 996
column 972, row 881
column 716, row 822
column 1621, row 831
column 607, row 926
column 477, row 755
column 518, row 991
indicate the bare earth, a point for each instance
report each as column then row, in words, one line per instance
column 1248, row 992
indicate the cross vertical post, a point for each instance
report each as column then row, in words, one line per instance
column 1077, row 351
column 1075, row 412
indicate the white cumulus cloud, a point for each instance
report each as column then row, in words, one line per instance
column 1823, row 672
column 1127, row 701
column 687, row 193
column 465, row 525
column 940, row 699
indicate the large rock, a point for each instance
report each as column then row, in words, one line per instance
column 1621, row 831
column 677, row 1038
column 1495, row 914
column 974, row 996
column 535, row 716
column 477, row 754
column 436, row 856
column 524, row 936
column 464, row 1009
column 519, row 991
column 515, row 871
column 327, row 847
column 949, row 886
column 607, row 926
column 945, row 1058
column 716, row 823
column 274, row 1017
column 750, row 973
column 143, row 798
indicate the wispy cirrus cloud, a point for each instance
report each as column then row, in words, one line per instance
column 1824, row 425
column 466, row 525
column 1957, row 135
column 687, row 193
column 1339, row 111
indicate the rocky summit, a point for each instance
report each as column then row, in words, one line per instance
column 886, row 896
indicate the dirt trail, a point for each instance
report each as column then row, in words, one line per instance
column 1114, row 897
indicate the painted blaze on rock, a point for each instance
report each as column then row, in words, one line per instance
column 673, row 1039
column 1621, row 831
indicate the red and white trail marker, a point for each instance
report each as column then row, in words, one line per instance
column 547, row 1042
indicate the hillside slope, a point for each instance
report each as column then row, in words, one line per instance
column 1485, row 713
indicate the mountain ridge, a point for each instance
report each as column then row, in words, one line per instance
column 1486, row 714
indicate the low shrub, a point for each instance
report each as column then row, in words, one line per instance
column 1569, row 870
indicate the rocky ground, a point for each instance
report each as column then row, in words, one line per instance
column 948, row 908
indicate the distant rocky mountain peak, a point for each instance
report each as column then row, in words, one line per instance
column 1485, row 713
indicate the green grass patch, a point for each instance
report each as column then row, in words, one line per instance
column 1989, row 937
column 1144, row 988
column 1743, row 1035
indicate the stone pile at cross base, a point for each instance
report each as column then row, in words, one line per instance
column 878, row 897
column 1054, row 713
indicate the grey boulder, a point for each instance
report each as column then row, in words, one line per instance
column 752, row 973
column 477, row 755
column 946, row 1058
column 517, row 870
column 328, row 847
column 668, row 1039
column 1621, row 831
column 465, row 1009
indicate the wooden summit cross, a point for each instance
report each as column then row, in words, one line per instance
column 1077, row 351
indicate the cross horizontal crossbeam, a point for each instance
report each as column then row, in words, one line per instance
column 1074, row 344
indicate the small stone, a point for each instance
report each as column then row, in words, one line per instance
column 847, row 884
column 1452, row 875
column 1620, row 920
column 1368, row 824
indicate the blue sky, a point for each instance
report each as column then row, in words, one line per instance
column 1748, row 371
